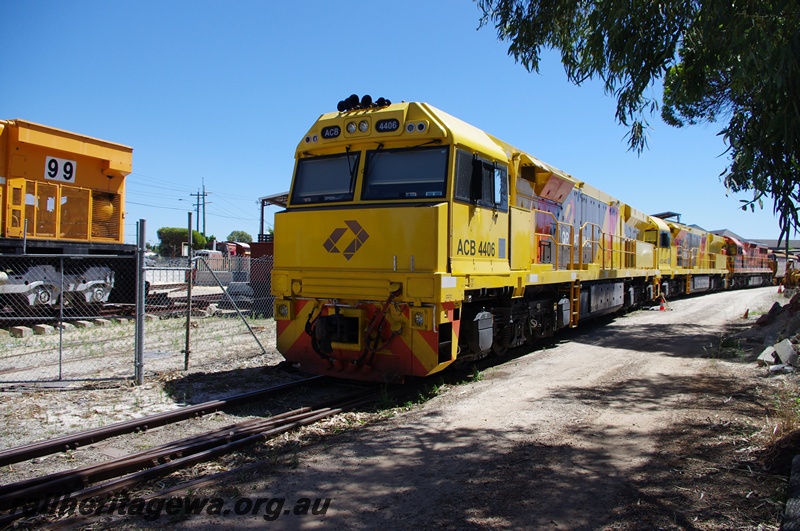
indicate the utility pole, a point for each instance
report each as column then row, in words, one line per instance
column 200, row 202
column 204, row 206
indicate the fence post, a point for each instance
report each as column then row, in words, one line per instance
column 141, row 294
column 60, row 319
column 188, row 302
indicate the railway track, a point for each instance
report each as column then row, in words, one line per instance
column 101, row 480
column 73, row 441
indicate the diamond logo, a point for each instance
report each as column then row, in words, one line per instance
column 359, row 236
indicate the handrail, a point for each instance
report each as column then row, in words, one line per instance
column 748, row 262
column 570, row 263
column 625, row 252
column 686, row 257
column 615, row 251
column 595, row 242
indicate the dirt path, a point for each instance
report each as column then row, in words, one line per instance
column 587, row 434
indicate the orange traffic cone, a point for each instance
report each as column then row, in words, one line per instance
column 663, row 306
column 780, row 288
column 746, row 313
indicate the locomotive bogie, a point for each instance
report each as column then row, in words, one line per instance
column 25, row 286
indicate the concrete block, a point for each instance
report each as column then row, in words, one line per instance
column 4, row 332
column 102, row 322
column 43, row 329
column 767, row 356
column 786, row 352
column 82, row 324
column 20, row 331
column 66, row 327
column 149, row 317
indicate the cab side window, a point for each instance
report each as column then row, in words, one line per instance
column 481, row 182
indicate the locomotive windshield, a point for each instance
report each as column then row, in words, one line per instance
column 325, row 179
column 405, row 173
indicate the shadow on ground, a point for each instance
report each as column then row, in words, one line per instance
column 695, row 477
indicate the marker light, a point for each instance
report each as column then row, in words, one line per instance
column 351, row 127
column 363, row 126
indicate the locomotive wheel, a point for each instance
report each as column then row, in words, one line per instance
column 498, row 350
column 43, row 295
column 99, row 293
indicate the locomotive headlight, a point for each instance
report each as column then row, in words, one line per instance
column 284, row 310
column 422, row 318
column 351, row 127
column 363, row 126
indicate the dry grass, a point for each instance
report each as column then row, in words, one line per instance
column 785, row 410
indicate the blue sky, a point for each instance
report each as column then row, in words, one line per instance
column 221, row 93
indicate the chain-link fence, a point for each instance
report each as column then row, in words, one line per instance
column 74, row 317
column 65, row 317
column 210, row 315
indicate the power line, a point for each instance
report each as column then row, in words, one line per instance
column 155, row 206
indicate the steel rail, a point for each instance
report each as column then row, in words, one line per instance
column 72, row 441
column 184, row 456
column 59, row 481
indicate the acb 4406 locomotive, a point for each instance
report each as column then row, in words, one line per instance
column 412, row 239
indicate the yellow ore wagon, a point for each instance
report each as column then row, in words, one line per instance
column 61, row 193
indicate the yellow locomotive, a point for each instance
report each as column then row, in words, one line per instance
column 411, row 239
column 61, row 193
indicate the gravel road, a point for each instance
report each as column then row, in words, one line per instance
column 560, row 438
